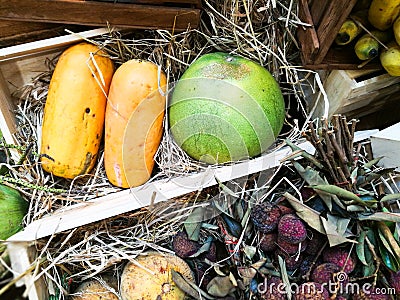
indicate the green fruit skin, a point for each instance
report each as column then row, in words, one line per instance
column 13, row 209
column 225, row 108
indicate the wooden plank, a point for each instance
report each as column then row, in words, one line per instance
column 21, row 256
column 334, row 16
column 93, row 13
column 317, row 9
column 373, row 84
column 16, row 32
column 8, row 123
column 307, row 35
column 11, row 28
column 181, row 3
column 37, row 47
column 135, row 198
column 338, row 58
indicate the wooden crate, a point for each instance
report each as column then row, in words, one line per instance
column 16, row 32
column 154, row 14
column 318, row 51
column 357, row 94
column 18, row 64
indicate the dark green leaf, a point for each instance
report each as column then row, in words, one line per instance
column 380, row 216
column 360, row 248
column 312, row 177
column 204, row 248
column 342, row 193
column 285, row 277
column 371, row 267
column 388, row 259
column 304, row 153
column 390, row 197
column 234, row 227
column 385, row 243
column 193, row 223
column 372, row 162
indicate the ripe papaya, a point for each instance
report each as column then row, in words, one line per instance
column 133, row 122
column 73, row 119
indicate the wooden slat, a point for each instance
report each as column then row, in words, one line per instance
column 341, row 59
column 334, row 16
column 37, row 47
column 317, row 9
column 307, row 35
column 135, row 198
column 181, row 3
column 17, row 32
column 93, row 13
column 21, row 256
column 7, row 117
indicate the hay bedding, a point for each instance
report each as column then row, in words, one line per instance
column 260, row 30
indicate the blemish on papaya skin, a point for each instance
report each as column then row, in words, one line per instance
column 86, row 164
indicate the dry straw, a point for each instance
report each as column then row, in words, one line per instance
column 262, row 30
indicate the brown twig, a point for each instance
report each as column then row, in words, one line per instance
column 337, row 128
column 318, row 145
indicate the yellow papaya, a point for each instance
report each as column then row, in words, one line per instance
column 73, row 120
column 133, row 122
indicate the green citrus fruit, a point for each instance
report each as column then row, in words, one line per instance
column 225, row 108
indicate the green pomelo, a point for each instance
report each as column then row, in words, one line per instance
column 225, row 108
column 13, row 209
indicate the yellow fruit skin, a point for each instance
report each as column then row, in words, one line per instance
column 133, row 122
column 396, row 30
column 351, row 27
column 390, row 59
column 150, row 278
column 382, row 13
column 96, row 290
column 368, row 47
column 347, row 32
column 74, row 111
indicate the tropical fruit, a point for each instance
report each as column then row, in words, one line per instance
column 133, row 122
column 390, row 59
column 225, row 108
column 150, row 277
column 13, row 209
column 396, row 30
column 367, row 45
column 382, row 13
column 73, row 117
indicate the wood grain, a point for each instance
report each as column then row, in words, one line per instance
column 334, row 16
column 317, row 9
column 307, row 35
column 19, row 32
column 136, row 198
column 92, row 13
